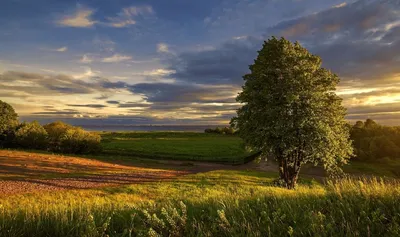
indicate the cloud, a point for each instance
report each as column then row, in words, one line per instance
column 123, row 23
column 134, row 105
column 340, row 5
column 126, row 17
column 156, row 72
column 113, row 102
column 136, row 11
column 87, row 74
column 339, row 35
column 86, row 59
column 56, row 113
column 62, row 49
column 225, row 64
column 81, row 18
column 17, row 84
column 116, row 58
column 188, row 93
column 358, row 44
column 97, row 106
column 104, row 44
column 162, row 48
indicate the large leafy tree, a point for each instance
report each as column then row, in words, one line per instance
column 290, row 110
column 8, row 121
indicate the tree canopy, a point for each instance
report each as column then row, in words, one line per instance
column 372, row 141
column 8, row 121
column 290, row 110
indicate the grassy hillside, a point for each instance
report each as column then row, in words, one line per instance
column 217, row 203
column 176, row 146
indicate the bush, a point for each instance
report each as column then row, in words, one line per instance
column 55, row 131
column 8, row 123
column 69, row 139
column 218, row 130
column 31, row 135
column 78, row 141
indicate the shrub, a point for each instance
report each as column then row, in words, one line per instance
column 228, row 130
column 55, row 131
column 69, row 139
column 31, row 135
column 218, row 130
column 76, row 140
column 8, row 123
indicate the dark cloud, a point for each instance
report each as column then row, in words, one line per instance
column 113, row 102
column 353, row 41
column 97, row 106
column 134, row 104
column 223, row 65
column 56, row 113
column 14, row 83
column 188, row 93
column 375, row 109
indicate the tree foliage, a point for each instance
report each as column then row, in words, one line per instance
column 69, row 139
column 56, row 136
column 78, row 141
column 372, row 141
column 55, row 131
column 31, row 135
column 290, row 110
column 8, row 122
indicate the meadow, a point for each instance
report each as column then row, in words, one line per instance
column 121, row 192
column 188, row 146
column 215, row 203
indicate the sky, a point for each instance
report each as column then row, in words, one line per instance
column 182, row 61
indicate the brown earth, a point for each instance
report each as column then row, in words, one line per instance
column 26, row 172
column 22, row 172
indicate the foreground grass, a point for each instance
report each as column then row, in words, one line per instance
column 176, row 146
column 218, row 203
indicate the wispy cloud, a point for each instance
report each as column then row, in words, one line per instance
column 162, row 48
column 87, row 74
column 62, row 49
column 126, row 16
column 81, row 18
column 86, row 59
column 156, row 72
column 116, row 58
column 340, row 5
column 104, row 45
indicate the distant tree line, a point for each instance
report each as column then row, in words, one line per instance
column 56, row 136
column 222, row 130
column 372, row 141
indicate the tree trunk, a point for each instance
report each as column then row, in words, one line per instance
column 289, row 174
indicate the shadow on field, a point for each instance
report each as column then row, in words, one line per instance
column 23, row 172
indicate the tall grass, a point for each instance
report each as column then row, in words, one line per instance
column 219, row 203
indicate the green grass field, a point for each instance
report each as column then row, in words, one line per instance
column 176, row 146
column 218, row 203
column 226, row 201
